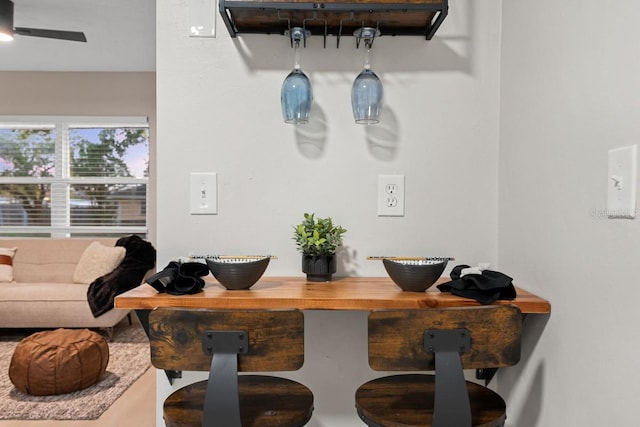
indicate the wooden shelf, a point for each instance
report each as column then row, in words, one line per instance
column 348, row 293
column 334, row 17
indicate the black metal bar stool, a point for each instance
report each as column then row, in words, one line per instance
column 445, row 341
column 226, row 343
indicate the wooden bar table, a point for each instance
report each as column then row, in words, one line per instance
column 348, row 293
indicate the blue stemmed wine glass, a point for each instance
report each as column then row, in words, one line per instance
column 366, row 92
column 296, row 95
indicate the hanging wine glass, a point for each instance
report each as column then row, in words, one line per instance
column 296, row 95
column 366, row 92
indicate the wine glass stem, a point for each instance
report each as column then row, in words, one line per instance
column 296, row 55
column 367, row 65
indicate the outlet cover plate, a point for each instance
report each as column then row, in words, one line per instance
column 390, row 195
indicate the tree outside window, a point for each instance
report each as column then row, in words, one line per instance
column 67, row 177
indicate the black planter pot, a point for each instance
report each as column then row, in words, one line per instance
column 319, row 268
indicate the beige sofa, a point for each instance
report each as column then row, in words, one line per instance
column 43, row 293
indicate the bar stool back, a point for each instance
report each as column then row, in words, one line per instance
column 225, row 343
column 445, row 341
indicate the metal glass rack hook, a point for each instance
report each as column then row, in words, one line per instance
column 297, row 34
column 314, row 17
column 351, row 19
column 280, row 18
column 368, row 34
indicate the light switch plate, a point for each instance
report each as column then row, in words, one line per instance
column 621, row 186
column 203, row 193
column 202, row 18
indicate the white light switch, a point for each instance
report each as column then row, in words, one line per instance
column 202, row 18
column 203, row 192
column 621, row 186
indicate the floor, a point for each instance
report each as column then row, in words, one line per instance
column 136, row 407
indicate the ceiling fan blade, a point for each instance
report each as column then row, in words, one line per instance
column 75, row 36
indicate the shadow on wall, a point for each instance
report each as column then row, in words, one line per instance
column 530, row 413
column 382, row 138
column 532, row 406
column 347, row 265
column 311, row 138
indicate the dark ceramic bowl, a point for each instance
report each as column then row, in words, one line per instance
column 238, row 273
column 412, row 275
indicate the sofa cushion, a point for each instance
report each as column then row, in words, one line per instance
column 46, row 305
column 39, row 260
column 6, row 264
column 97, row 260
column 33, row 291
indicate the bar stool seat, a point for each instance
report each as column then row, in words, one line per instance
column 407, row 400
column 264, row 401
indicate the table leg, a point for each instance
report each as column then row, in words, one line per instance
column 143, row 316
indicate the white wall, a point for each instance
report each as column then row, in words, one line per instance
column 219, row 111
column 570, row 92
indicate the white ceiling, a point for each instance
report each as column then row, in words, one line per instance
column 120, row 36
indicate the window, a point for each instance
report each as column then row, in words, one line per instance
column 73, row 176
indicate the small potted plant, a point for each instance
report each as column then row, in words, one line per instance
column 318, row 239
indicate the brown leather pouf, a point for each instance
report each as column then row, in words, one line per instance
column 57, row 362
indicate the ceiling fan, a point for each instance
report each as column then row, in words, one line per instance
column 7, row 30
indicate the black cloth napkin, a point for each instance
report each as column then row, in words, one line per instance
column 180, row 278
column 485, row 288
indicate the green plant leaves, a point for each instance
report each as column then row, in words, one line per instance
column 318, row 236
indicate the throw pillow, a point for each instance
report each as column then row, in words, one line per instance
column 96, row 261
column 6, row 264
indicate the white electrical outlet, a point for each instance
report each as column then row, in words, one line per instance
column 203, row 194
column 390, row 195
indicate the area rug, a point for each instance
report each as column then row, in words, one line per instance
column 128, row 360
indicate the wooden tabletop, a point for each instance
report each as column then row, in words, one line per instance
column 348, row 293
